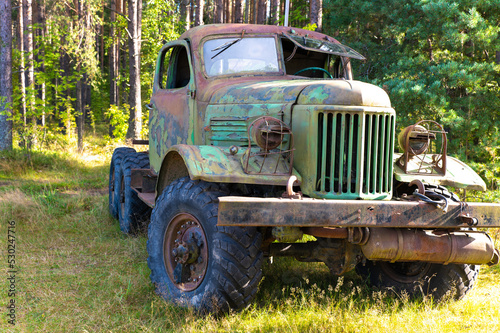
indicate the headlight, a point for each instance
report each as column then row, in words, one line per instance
column 268, row 132
column 415, row 139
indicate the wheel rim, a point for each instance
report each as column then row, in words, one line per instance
column 185, row 252
column 406, row 272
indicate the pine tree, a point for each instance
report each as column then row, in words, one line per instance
column 5, row 75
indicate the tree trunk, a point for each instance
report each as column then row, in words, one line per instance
column 113, row 60
column 135, row 120
column 238, row 11
column 227, row 12
column 39, row 21
column 30, row 74
column 261, row 11
column 274, row 12
column 80, row 112
column 5, row 75
column 198, row 17
column 100, row 38
column 185, row 12
column 255, row 11
column 22, row 78
column 219, row 11
column 320, row 16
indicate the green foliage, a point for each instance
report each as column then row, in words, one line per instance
column 159, row 26
column 311, row 27
column 435, row 58
column 118, row 119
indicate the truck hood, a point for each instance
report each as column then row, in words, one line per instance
column 302, row 92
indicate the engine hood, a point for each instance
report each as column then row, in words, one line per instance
column 302, row 92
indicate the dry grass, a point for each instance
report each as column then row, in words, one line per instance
column 78, row 273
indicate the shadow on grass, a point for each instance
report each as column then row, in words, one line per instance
column 287, row 281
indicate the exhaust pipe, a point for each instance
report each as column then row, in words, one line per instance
column 443, row 247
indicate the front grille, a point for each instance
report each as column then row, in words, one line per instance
column 355, row 154
column 228, row 132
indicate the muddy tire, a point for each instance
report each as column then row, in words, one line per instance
column 417, row 279
column 131, row 210
column 114, row 172
column 194, row 263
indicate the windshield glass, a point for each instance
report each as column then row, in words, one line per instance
column 240, row 55
column 324, row 47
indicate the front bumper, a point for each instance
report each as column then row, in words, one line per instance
column 307, row 212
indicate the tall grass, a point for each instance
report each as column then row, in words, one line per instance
column 78, row 273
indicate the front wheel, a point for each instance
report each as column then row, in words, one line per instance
column 195, row 263
column 415, row 279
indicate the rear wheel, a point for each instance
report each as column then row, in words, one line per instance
column 114, row 183
column 421, row 279
column 131, row 211
column 194, row 262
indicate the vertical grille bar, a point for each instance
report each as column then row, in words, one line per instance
column 324, row 153
column 375, row 137
column 349, row 154
column 389, row 148
column 381, row 155
column 341, row 153
column 333, row 140
column 368, row 148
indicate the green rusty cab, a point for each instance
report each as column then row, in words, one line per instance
column 259, row 135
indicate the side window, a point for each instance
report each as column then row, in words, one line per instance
column 175, row 72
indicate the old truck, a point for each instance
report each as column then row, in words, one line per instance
column 259, row 135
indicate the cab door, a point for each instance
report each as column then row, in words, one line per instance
column 172, row 103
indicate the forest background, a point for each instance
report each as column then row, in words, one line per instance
column 73, row 77
column 77, row 64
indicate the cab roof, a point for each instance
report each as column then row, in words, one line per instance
column 197, row 33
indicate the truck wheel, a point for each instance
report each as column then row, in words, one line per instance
column 441, row 282
column 114, row 194
column 194, row 263
column 131, row 210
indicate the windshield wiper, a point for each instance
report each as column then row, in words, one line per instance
column 227, row 45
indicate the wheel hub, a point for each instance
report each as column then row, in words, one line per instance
column 185, row 252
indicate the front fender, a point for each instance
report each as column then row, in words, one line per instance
column 458, row 174
column 211, row 164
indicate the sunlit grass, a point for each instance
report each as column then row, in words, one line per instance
column 77, row 272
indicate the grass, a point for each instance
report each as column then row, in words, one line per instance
column 76, row 272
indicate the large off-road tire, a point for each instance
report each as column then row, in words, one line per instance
column 418, row 279
column 131, row 211
column 114, row 172
column 194, row 263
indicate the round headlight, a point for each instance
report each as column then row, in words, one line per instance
column 268, row 132
column 415, row 139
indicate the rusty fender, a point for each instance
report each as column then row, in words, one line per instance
column 217, row 164
column 306, row 212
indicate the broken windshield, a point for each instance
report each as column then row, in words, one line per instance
column 236, row 55
column 324, row 46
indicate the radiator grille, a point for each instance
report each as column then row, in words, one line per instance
column 355, row 154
